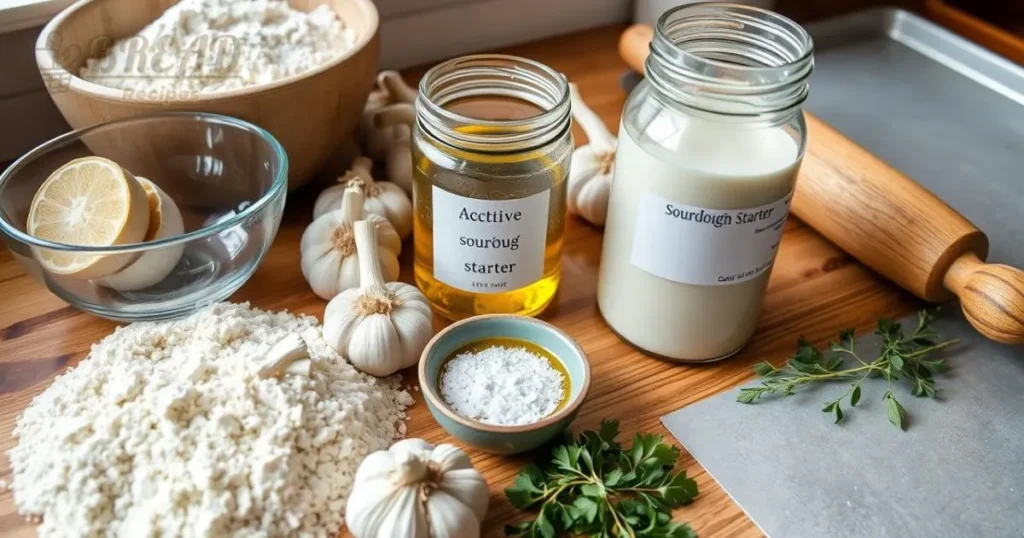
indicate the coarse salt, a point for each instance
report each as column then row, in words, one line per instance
column 507, row 386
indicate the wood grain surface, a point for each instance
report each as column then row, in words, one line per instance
column 815, row 291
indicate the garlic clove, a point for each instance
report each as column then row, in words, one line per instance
column 303, row 367
column 447, row 513
column 375, row 346
column 284, row 354
column 340, row 320
column 392, row 201
column 460, row 479
column 398, row 163
column 592, row 202
column 584, row 165
column 348, row 271
column 387, row 236
column 591, row 168
column 415, row 334
column 395, row 85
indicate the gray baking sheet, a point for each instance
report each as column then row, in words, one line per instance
column 950, row 115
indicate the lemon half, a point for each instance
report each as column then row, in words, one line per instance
column 90, row 201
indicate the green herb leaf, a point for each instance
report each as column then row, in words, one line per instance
column 749, row 395
column 896, row 413
column 592, row 486
column 527, row 488
column 764, row 369
column 903, row 357
column 679, row 490
column 593, row 490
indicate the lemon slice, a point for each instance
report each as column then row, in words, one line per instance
column 92, row 202
column 154, row 265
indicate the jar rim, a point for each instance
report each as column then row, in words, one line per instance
column 497, row 75
column 738, row 10
column 729, row 58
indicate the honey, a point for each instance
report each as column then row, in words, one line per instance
column 489, row 187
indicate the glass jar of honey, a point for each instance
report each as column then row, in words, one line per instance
column 491, row 150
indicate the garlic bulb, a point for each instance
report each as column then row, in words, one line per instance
column 417, row 490
column 380, row 197
column 590, row 171
column 376, row 140
column 398, row 162
column 328, row 247
column 379, row 327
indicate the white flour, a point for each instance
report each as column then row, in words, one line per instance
column 213, row 45
column 502, row 385
column 167, row 430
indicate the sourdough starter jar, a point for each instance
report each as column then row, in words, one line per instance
column 491, row 150
column 708, row 154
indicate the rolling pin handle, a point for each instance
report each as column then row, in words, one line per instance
column 992, row 296
column 634, row 46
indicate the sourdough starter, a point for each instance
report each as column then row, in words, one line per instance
column 694, row 221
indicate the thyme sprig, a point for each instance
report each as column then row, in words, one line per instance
column 902, row 357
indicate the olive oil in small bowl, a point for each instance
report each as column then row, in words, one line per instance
column 509, row 334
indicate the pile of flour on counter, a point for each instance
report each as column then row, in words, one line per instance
column 214, row 45
column 166, row 429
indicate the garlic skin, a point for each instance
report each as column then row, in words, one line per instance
column 398, row 163
column 152, row 266
column 375, row 140
column 380, row 197
column 416, row 490
column 591, row 168
column 379, row 327
column 328, row 247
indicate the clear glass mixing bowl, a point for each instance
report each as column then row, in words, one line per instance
column 227, row 177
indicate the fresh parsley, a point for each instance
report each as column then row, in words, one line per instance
column 901, row 357
column 592, row 486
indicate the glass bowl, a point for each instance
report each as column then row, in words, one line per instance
column 228, row 179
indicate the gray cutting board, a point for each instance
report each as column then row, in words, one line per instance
column 959, row 469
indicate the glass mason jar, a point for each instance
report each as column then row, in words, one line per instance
column 709, row 149
column 491, row 149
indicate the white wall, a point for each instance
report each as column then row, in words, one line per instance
column 415, row 32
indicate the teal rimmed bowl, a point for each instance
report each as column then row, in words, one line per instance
column 489, row 437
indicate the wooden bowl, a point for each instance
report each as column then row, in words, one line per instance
column 312, row 114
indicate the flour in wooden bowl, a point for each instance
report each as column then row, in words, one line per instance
column 216, row 45
column 169, row 429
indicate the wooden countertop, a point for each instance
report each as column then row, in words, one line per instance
column 815, row 291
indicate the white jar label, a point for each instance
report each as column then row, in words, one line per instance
column 489, row 246
column 708, row 247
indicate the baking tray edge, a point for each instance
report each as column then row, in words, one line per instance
column 927, row 38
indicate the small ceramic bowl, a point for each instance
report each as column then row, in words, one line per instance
column 488, row 437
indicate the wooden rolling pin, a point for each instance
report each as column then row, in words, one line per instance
column 892, row 224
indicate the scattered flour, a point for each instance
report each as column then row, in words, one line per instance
column 166, row 429
column 502, row 385
column 215, row 45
